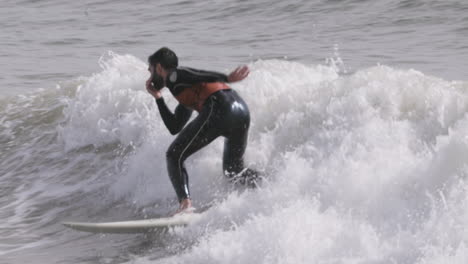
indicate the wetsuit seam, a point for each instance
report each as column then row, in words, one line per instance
column 190, row 143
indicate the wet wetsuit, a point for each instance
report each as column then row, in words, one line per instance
column 222, row 112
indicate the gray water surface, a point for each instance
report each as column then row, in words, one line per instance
column 45, row 42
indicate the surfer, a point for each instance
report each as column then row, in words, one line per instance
column 221, row 112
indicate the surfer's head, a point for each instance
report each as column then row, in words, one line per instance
column 160, row 63
column 165, row 57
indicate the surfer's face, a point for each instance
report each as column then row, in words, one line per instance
column 157, row 79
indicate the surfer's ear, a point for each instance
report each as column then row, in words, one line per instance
column 161, row 70
column 158, row 68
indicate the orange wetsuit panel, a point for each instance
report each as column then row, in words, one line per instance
column 195, row 96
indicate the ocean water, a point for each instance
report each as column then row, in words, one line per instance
column 359, row 122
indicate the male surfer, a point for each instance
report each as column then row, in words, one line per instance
column 221, row 112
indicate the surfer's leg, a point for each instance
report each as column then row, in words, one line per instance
column 237, row 123
column 233, row 159
column 233, row 156
column 196, row 135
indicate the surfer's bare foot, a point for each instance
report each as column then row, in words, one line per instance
column 185, row 206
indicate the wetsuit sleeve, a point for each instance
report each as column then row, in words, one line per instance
column 194, row 76
column 184, row 77
column 174, row 122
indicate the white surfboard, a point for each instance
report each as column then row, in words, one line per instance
column 135, row 226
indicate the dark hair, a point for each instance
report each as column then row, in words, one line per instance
column 164, row 56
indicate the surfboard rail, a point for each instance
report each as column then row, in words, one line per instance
column 134, row 226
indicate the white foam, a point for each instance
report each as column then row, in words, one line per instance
column 367, row 168
column 109, row 106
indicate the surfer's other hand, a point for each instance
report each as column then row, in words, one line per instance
column 239, row 74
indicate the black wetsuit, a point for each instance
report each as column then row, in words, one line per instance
column 223, row 113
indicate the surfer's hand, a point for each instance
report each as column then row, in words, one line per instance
column 239, row 74
column 149, row 87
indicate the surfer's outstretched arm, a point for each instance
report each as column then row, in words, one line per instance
column 185, row 77
column 193, row 76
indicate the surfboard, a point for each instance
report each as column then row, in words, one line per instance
column 135, row 226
